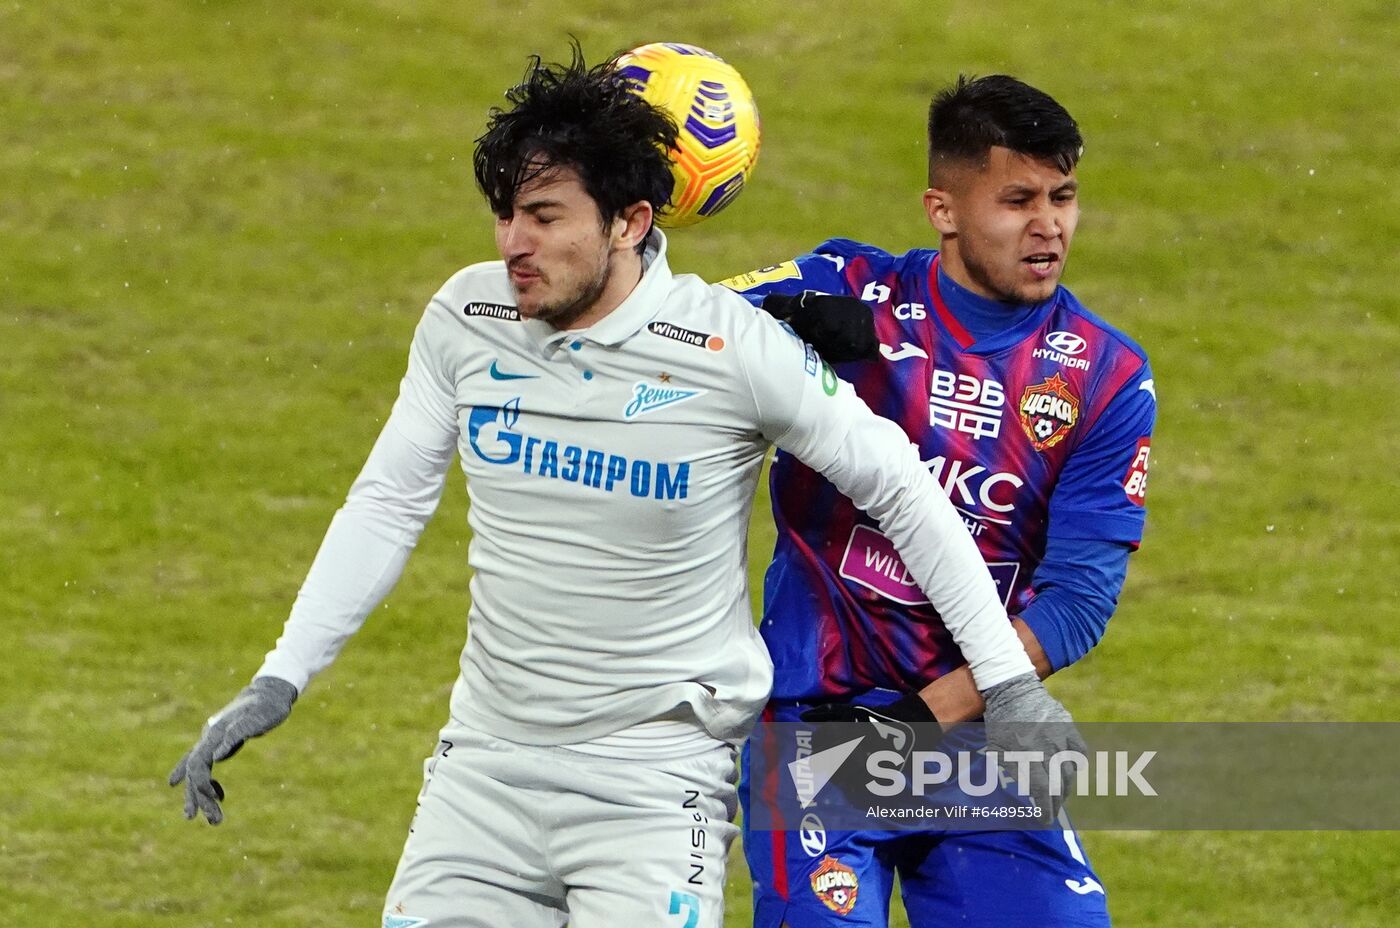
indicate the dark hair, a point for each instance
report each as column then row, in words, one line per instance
column 967, row 119
column 580, row 117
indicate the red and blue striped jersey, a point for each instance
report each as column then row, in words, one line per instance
column 1041, row 429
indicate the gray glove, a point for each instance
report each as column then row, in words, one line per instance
column 1022, row 716
column 260, row 707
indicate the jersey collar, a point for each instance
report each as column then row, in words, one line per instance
column 950, row 322
column 639, row 308
column 992, row 343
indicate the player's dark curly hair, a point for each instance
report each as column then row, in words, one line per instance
column 580, row 117
column 967, row 119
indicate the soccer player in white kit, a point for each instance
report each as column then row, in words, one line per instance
column 611, row 419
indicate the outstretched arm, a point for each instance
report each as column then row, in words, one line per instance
column 358, row 563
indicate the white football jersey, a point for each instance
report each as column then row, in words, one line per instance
column 611, row 471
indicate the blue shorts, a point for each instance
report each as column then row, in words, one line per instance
column 816, row 878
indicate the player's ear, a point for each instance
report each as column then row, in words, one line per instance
column 632, row 226
column 938, row 207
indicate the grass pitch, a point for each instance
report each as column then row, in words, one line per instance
column 219, row 223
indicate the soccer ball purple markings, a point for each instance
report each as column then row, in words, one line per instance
column 718, row 121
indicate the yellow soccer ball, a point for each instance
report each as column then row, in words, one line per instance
column 718, row 121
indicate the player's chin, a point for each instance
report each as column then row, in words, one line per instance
column 1037, row 288
column 532, row 303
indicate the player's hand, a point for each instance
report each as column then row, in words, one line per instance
column 841, row 328
column 1021, row 715
column 260, row 707
column 900, row 727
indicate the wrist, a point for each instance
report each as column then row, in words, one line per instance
column 1009, row 691
column 274, row 688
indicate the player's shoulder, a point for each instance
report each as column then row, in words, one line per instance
column 1115, row 339
column 485, row 280
column 877, row 259
column 479, row 291
column 837, row 265
column 714, row 317
column 714, row 307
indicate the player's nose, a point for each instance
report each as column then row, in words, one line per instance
column 1046, row 223
column 512, row 238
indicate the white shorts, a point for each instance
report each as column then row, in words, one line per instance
column 517, row 836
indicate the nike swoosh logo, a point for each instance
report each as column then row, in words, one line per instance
column 497, row 374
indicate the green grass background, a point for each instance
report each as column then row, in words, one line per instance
column 219, row 222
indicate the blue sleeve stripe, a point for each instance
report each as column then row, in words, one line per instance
column 1118, row 526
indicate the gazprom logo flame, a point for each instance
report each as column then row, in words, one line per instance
column 499, row 445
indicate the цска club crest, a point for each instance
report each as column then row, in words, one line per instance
column 836, row 885
column 1048, row 411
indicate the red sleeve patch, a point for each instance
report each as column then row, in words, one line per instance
column 1135, row 483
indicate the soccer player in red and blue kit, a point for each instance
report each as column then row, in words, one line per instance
column 1036, row 416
